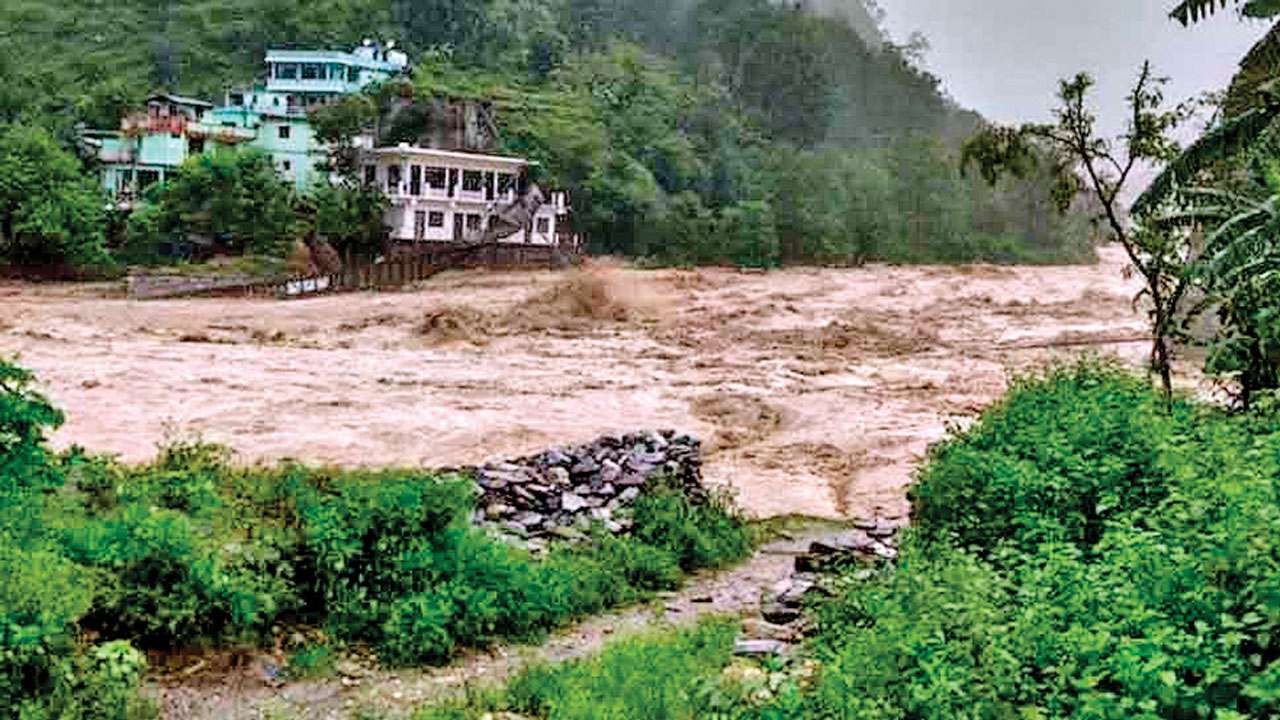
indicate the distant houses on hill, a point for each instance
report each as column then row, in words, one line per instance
column 437, row 194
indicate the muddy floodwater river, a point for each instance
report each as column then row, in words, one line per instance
column 815, row 389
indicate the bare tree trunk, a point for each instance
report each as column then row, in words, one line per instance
column 1162, row 362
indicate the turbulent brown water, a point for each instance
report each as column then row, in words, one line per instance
column 816, row 389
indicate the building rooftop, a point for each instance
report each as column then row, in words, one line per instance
column 421, row 152
column 180, row 100
column 366, row 56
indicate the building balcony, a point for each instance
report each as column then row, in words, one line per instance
column 334, row 86
column 401, row 194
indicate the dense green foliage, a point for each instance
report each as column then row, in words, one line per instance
column 1058, row 459
column 665, row 167
column 51, row 215
column 1097, row 561
column 687, row 131
column 191, row 550
column 230, row 200
column 45, row 672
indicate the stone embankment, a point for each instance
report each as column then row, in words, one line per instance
column 562, row 492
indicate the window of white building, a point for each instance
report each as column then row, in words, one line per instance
column 436, row 177
column 472, row 181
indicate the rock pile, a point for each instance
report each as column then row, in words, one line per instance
column 563, row 491
column 868, row 543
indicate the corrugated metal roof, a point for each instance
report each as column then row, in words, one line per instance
column 180, row 100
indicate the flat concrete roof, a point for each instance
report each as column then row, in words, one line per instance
column 412, row 150
column 281, row 55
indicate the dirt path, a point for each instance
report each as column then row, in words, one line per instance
column 817, row 389
column 247, row 692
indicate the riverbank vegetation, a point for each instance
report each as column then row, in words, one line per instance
column 103, row 561
column 1080, row 552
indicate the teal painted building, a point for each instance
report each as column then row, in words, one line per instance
column 150, row 144
column 270, row 115
column 297, row 82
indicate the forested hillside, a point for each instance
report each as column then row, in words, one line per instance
column 687, row 130
column 86, row 60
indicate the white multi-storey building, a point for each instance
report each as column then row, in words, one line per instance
column 448, row 196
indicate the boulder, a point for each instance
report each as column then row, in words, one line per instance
column 569, row 502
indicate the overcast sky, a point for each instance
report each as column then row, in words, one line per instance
column 1003, row 58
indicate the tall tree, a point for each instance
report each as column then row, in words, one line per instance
column 1108, row 169
column 51, row 214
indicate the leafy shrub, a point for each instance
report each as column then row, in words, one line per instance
column 699, row 535
column 234, row 198
column 365, row 540
column 51, row 213
column 1165, row 605
column 41, row 599
column 108, row 682
column 160, row 582
column 184, row 478
column 642, row 566
column 417, row 629
column 312, row 661
column 1063, row 454
column 25, row 416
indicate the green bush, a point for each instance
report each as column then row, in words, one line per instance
column 233, row 198
column 43, row 671
column 162, row 581
column 1062, row 455
column 51, row 212
column 367, row 541
column 1146, row 587
column 699, row 535
column 312, row 661
column 25, row 416
column 41, row 599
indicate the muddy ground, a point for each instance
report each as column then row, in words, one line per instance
column 815, row 389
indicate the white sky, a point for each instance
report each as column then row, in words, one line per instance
column 1003, row 58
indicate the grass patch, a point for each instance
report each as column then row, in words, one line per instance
column 659, row 676
column 315, row 660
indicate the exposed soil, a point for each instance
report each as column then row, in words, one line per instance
column 815, row 388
